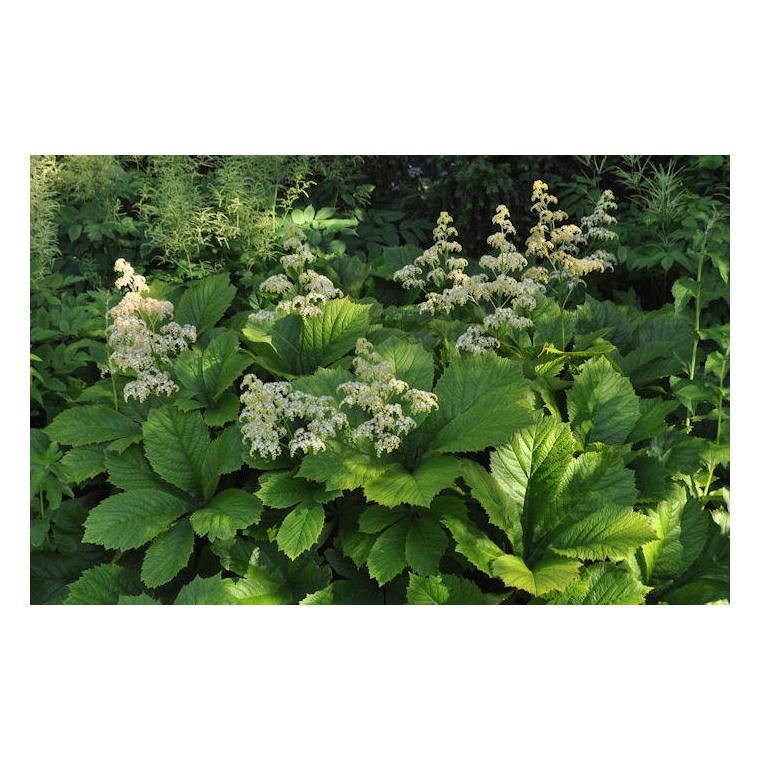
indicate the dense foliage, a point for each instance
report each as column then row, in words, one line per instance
column 293, row 379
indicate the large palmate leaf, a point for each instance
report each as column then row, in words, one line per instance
column 176, row 444
column 222, row 456
column 271, row 578
column 443, row 589
column 601, row 583
column 283, row 489
column 550, row 574
column 229, row 511
column 213, row 590
column 549, row 502
column 204, row 304
column 83, row 462
column 168, row 554
column 130, row 519
column 207, row 373
column 426, row 542
column 481, row 401
column 528, row 470
column 602, row 405
column 397, row 485
column 387, row 558
column 343, row 466
column 130, row 469
column 410, row 360
column 104, row 584
column 92, row 424
column 306, row 343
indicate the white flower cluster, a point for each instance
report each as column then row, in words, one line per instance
column 374, row 392
column 267, row 407
column 494, row 289
column 306, row 288
column 134, row 342
column 565, row 242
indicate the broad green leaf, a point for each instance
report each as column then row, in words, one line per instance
column 168, row 554
column 682, row 529
column 473, row 544
column 225, row 410
column 104, row 584
column 346, row 592
column 343, row 467
column 175, row 445
column 331, row 334
column 387, row 558
column 272, row 579
column 426, row 542
column 410, row 360
column 91, row 424
column 301, row 528
column 139, row 599
column 128, row 520
column 222, row 456
column 83, row 463
column 602, row 583
column 595, row 315
column 399, row 486
column 207, row 373
column 502, row 509
column 608, row 533
column 652, row 421
column 443, row 589
column 602, row 405
column 551, row 574
column 283, row 489
column 481, row 401
column 376, row 518
column 528, row 470
column 131, row 470
column 229, row 511
column 204, row 304
column 200, row 590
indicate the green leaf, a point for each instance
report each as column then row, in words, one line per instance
column 204, row 304
column 207, row 373
column 91, row 424
column 346, row 592
column 443, row 589
column 426, row 542
column 604, row 534
column 502, row 509
column 168, row 554
column 130, row 470
column 211, row 590
column 128, row 520
column 283, row 489
column 223, row 455
column 528, row 470
column 139, row 599
column 410, row 360
column 104, row 584
column 682, row 529
column 652, row 421
column 83, row 463
column 387, row 558
column 332, row 334
column 176, row 444
column 229, row 511
column 482, row 400
column 551, row 574
column 602, row 583
column 473, row 544
column 224, row 410
column 342, row 466
column 397, row 485
column 602, row 406
column 301, row 528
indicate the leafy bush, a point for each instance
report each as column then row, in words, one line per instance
column 429, row 427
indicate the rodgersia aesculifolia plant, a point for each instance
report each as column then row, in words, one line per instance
column 299, row 287
column 508, row 287
column 137, row 339
column 389, row 404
